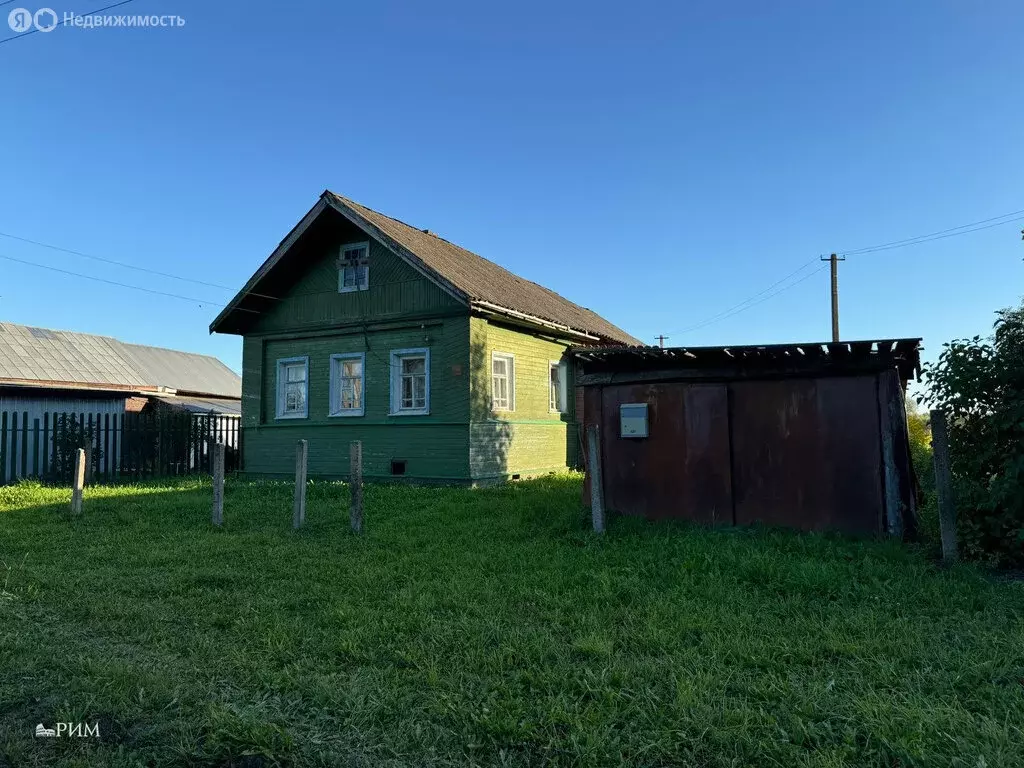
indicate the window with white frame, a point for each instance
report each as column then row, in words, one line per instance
column 347, row 379
column 354, row 267
column 503, row 382
column 557, row 387
column 410, row 382
column 292, row 387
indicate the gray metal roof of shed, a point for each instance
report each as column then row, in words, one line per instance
column 42, row 357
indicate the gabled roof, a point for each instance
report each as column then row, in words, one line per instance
column 39, row 357
column 481, row 284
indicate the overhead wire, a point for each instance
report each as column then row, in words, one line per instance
column 754, row 300
column 200, row 302
column 90, row 13
column 136, row 267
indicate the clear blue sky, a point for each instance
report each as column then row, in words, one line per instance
column 657, row 163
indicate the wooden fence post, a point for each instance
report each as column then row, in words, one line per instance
column 594, row 475
column 356, row 484
column 299, row 513
column 944, row 486
column 218, row 484
column 79, row 482
column 88, row 463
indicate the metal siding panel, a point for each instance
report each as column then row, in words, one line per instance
column 681, row 470
column 34, row 445
column 38, row 354
column 806, row 453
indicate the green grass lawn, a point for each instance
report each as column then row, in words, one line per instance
column 485, row 627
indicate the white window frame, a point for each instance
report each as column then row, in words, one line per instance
column 510, row 361
column 563, row 387
column 282, row 363
column 335, row 390
column 397, row 355
column 342, row 288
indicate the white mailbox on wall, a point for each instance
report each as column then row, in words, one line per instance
column 633, row 420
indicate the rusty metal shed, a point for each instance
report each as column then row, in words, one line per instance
column 810, row 436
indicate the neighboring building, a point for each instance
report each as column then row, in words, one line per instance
column 44, row 373
column 811, row 436
column 60, row 370
column 446, row 366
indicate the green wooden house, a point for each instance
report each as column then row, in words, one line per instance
column 446, row 366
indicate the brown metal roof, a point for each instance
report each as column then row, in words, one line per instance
column 483, row 280
column 480, row 283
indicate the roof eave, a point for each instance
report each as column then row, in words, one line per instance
column 283, row 247
column 488, row 307
column 329, row 200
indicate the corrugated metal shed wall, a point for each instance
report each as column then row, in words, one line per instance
column 35, row 407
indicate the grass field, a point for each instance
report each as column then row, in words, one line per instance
column 485, row 627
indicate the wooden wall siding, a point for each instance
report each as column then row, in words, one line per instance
column 449, row 380
column 252, row 380
column 435, row 446
column 432, row 452
column 312, row 300
column 531, row 439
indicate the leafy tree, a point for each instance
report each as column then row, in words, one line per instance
column 979, row 384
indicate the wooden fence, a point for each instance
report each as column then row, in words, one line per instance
column 120, row 447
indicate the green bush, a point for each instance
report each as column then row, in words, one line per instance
column 920, row 431
column 979, row 384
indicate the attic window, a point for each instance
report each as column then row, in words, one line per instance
column 354, row 267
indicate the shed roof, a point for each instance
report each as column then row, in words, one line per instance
column 611, row 364
column 203, row 405
column 480, row 283
column 40, row 357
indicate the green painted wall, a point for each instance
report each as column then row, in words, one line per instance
column 460, row 440
column 531, row 439
column 435, row 446
column 395, row 291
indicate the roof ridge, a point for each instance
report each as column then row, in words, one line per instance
column 350, row 201
column 458, row 270
column 170, row 349
column 62, row 330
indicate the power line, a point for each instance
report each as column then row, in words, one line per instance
column 733, row 309
column 132, row 266
column 744, row 306
column 963, row 229
column 90, row 13
column 122, row 285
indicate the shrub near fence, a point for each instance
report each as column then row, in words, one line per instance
column 121, row 447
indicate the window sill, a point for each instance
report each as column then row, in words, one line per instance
column 418, row 412
column 287, row 416
column 344, row 414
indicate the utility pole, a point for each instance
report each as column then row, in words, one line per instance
column 834, row 262
column 661, row 340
